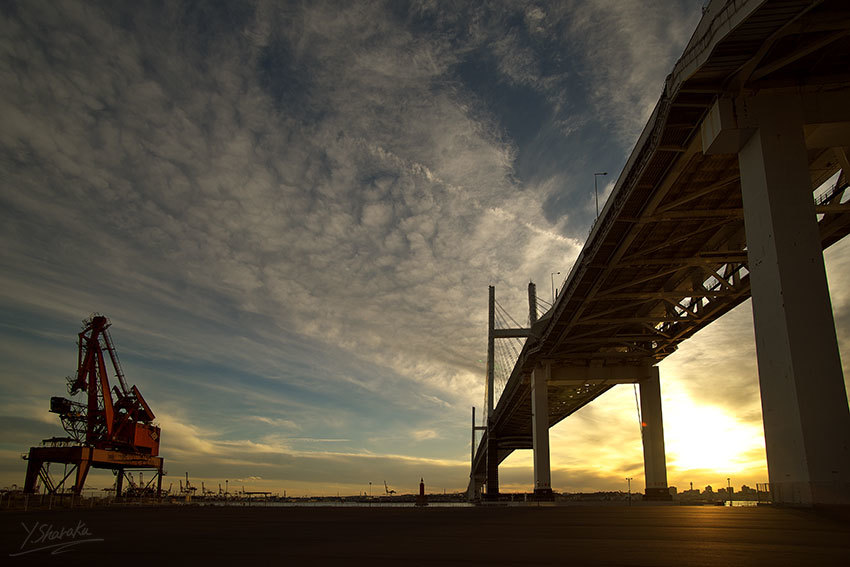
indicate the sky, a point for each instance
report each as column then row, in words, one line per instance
column 291, row 212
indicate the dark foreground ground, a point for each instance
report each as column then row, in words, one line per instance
column 580, row 535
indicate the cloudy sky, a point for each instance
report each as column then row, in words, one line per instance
column 291, row 213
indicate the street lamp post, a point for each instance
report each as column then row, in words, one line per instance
column 629, row 479
column 552, row 276
column 729, row 489
column 596, row 189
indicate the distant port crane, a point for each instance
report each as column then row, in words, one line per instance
column 387, row 488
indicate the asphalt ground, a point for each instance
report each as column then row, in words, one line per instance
column 563, row 535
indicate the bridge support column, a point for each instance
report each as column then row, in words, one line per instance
column 652, row 432
column 540, row 430
column 804, row 402
column 492, row 469
column 474, row 490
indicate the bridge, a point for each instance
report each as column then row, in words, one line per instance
column 734, row 188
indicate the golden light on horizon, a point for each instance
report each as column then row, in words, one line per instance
column 706, row 437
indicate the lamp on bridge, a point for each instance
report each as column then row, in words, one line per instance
column 596, row 190
column 552, row 276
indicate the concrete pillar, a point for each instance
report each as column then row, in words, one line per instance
column 492, row 444
column 492, row 468
column 532, row 304
column 491, row 349
column 474, row 490
column 804, row 402
column 540, row 430
column 652, row 432
column 472, row 446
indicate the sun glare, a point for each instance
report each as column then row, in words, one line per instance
column 706, row 437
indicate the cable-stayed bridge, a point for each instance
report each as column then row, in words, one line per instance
column 736, row 185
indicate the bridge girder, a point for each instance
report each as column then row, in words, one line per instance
column 669, row 251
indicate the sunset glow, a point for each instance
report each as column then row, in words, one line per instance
column 709, row 438
column 291, row 214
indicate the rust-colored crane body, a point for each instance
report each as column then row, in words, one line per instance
column 116, row 433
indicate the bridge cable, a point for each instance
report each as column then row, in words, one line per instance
column 500, row 319
column 484, row 406
column 498, row 307
column 497, row 376
column 507, row 355
column 637, row 406
column 506, row 365
column 505, row 361
column 512, row 356
column 512, row 344
column 503, row 348
column 508, row 314
column 501, row 322
column 500, row 312
column 518, row 340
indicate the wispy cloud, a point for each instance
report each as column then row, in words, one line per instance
column 291, row 213
column 425, row 434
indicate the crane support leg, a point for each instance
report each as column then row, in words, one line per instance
column 33, row 470
column 82, row 472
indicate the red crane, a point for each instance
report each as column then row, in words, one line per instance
column 114, row 429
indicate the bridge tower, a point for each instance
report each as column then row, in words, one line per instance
column 492, row 441
column 547, row 379
column 494, row 444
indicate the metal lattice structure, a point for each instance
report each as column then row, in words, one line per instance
column 668, row 255
column 114, row 429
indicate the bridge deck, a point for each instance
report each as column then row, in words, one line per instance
column 668, row 254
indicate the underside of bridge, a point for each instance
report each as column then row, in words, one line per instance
column 733, row 190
